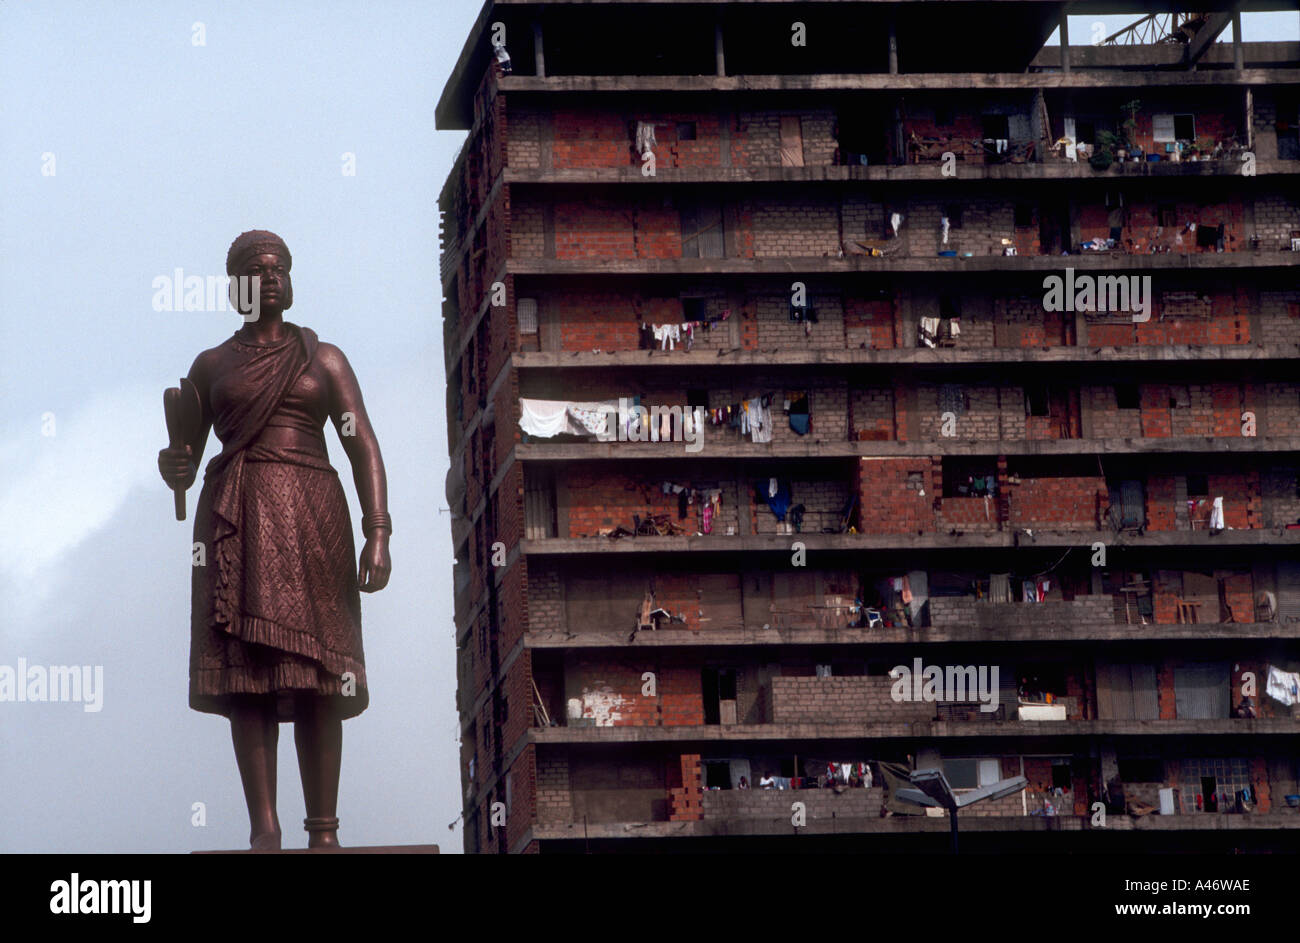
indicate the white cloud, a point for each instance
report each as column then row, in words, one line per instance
column 55, row 491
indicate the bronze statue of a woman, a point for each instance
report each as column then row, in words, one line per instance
column 275, row 615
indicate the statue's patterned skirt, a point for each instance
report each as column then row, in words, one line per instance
column 275, row 607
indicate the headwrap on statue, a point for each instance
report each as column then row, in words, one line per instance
column 252, row 243
column 257, row 242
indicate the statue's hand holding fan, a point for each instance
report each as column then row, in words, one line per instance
column 184, row 414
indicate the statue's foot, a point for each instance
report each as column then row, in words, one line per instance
column 322, row 832
column 266, row 841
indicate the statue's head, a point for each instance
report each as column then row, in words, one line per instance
column 263, row 254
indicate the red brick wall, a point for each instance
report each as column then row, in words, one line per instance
column 601, row 139
column 603, row 321
column 1243, row 506
column 1071, row 502
column 681, row 701
column 687, row 803
column 590, row 139
column 1022, row 322
column 1165, row 691
column 886, row 505
column 1141, row 220
column 1260, row 784
column 678, row 701
column 969, row 514
column 554, row 799
column 1211, row 124
column 873, row 413
column 873, row 324
column 596, row 229
column 889, row 506
column 1223, row 319
column 513, row 605
column 506, row 430
column 961, row 137
column 523, row 796
column 608, row 229
column 603, row 499
column 1161, row 502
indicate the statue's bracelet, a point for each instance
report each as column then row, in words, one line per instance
column 376, row 520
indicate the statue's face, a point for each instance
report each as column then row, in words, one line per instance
column 276, row 292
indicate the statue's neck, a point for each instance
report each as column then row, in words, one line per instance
column 267, row 329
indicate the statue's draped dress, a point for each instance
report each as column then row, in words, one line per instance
column 276, row 610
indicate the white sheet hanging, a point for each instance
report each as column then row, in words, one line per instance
column 645, row 137
column 1216, row 515
column 1283, row 686
column 759, row 421
column 544, row 417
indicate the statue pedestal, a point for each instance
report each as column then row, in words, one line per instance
column 360, row 850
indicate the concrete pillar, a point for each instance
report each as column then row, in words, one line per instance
column 539, row 54
column 546, row 136
column 548, row 230
column 893, row 44
column 1065, row 44
column 1238, row 60
column 1249, row 121
column 1109, row 763
column 900, row 145
column 1044, row 133
column 719, row 59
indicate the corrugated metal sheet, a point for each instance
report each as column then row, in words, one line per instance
column 1146, row 703
column 1132, row 504
column 702, row 231
column 1202, row 692
column 1126, row 692
column 1288, row 592
column 539, row 505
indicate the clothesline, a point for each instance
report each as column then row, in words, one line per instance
column 545, row 418
column 669, row 334
column 708, row 499
column 751, row 417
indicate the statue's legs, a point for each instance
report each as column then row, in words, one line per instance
column 256, row 733
column 318, row 734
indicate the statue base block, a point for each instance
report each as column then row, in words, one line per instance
column 359, row 850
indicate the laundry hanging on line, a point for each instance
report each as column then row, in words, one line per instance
column 708, row 500
column 776, row 492
column 667, row 335
column 1283, row 686
column 545, row 418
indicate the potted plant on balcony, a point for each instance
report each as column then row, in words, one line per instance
column 1103, row 154
column 1128, row 129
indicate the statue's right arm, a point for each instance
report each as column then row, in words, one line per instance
column 201, row 376
column 180, row 466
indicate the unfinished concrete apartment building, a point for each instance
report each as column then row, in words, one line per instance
column 954, row 349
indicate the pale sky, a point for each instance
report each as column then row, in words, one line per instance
column 130, row 151
column 163, row 152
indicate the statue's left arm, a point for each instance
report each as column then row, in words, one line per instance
column 348, row 412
